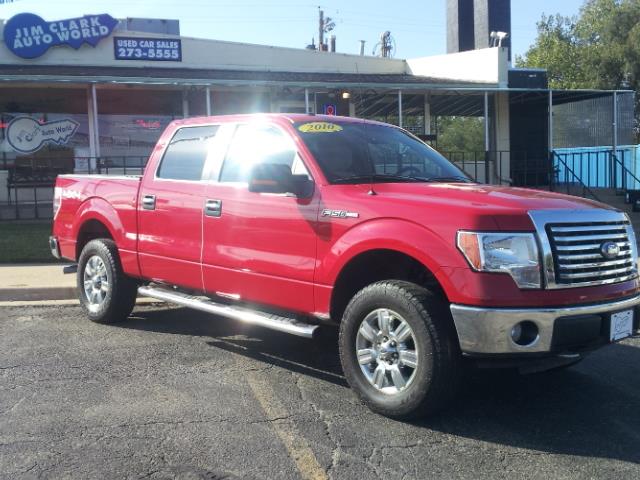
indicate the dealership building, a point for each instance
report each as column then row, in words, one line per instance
column 96, row 92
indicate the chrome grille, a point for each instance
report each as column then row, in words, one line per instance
column 577, row 253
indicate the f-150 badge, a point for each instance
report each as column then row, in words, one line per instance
column 327, row 212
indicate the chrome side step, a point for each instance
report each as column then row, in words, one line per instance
column 254, row 317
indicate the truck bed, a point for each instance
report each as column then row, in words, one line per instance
column 110, row 200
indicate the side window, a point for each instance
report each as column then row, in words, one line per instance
column 186, row 153
column 254, row 144
column 299, row 167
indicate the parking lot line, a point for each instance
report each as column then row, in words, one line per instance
column 302, row 455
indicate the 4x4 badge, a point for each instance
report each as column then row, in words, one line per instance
column 327, row 212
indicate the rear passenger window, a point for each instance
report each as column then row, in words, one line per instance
column 186, row 154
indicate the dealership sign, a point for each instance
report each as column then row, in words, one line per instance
column 29, row 36
column 26, row 135
column 155, row 49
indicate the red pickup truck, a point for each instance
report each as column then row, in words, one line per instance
column 292, row 222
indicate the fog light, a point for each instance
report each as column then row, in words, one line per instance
column 524, row 333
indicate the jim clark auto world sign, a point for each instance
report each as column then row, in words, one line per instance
column 29, row 36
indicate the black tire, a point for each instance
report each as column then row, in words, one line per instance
column 120, row 298
column 439, row 367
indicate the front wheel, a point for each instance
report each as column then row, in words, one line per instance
column 106, row 294
column 399, row 349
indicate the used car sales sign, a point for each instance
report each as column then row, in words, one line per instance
column 29, row 36
column 156, row 49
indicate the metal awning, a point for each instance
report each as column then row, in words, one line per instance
column 187, row 76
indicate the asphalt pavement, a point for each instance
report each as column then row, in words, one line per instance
column 173, row 393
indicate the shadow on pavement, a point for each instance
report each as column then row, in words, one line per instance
column 590, row 410
column 316, row 358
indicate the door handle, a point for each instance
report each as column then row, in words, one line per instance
column 149, row 202
column 213, row 208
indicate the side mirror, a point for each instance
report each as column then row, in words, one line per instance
column 277, row 178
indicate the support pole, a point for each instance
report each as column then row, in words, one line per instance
column 306, row 100
column 614, row 144
column 400, row 108
column 486, row 123
column 207, row 92
column 427, row 114
column 94, row 134
column 550, row 141
column 185, row 104
column 90, row 119
column 487, row 146
column 615, row 122
column 550, row 126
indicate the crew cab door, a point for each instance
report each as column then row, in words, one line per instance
column 170, row 209
column 259, row 247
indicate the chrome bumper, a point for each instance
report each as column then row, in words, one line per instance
column 488, row 330
column 54, row 247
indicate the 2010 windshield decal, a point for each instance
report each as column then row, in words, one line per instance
column 319, row 127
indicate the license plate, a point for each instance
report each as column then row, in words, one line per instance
column 621, row 325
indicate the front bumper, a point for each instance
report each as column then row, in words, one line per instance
column 488, row 330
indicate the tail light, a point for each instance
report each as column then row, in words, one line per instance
column 57, row 200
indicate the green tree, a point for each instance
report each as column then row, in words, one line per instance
column 599, row 48
column 558, row 50
column 460, row 134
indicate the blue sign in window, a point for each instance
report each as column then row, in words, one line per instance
column 154, row 49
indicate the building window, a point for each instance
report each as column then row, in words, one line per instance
column 131, row 120
column 44, row 129
column 229, row 103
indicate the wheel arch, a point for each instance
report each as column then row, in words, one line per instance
column 373, row 265
column 96, row 218
column 385, row 249
column 91, row 229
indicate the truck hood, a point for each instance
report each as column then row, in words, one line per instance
column 481, row 196
column 505, row 207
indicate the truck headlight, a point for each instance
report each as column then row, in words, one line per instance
column 512, row 253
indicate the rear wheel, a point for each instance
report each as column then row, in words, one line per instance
column 106, row 294
column 399, row 350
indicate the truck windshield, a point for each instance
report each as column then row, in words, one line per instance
column 349, row 152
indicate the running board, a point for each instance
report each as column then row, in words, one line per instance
column 254, row 317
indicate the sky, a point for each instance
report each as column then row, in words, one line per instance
column 418, row 27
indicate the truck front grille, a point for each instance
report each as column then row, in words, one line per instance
column 579, row 253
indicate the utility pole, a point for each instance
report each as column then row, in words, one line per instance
column 320, row 30
column 325, row 25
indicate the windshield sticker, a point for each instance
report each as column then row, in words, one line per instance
column 319, row 127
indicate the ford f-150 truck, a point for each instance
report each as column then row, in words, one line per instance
column 292, row 222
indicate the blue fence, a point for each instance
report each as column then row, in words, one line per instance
column 597, row 167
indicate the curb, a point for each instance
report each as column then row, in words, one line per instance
column 33, row 294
